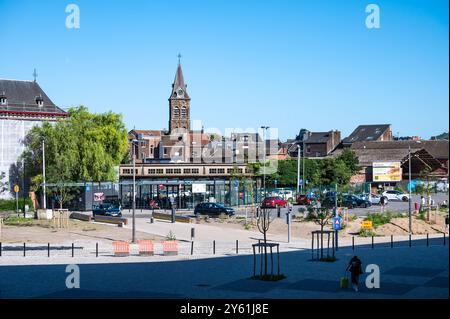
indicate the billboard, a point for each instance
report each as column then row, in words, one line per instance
column 387, row 172
column 198, row 188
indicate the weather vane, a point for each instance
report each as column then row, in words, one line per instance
column 35, row 75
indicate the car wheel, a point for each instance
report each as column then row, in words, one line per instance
column 364, row 205
column 404, row 198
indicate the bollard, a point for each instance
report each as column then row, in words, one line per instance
column 427, row 241
column 192, row 247
column 173, row 214
column 96, row 249
column 392, row 241
column 192, row 233
column 151, row 220
column 444, row 239
column 24, row 249
column 214, row 247
column 278, row 211
column 237, row 246
column 409, row 240
column 0, row 249
column 72, row 250
column 372, row 242
column 353, row 243
column 48, row 250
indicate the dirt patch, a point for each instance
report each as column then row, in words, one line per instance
column 42, row 232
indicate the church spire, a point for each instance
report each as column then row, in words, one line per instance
column 179, row 87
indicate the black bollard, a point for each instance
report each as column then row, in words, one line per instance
column 353, row 243
column 237, row 246
column 24, row 249
column 96, row 249
column 214, row 247
column 173, row 214
column 72, row 250
column 409, row 240
column 0, row 249
column 278, row 211
column 427, row 241
column 372, row 242
column 392, row 241
column 48, row 250
column 192, row 247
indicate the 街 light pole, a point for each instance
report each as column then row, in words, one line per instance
column 409, row 199
column 298, row 169
column 133, row 237
column 264, row 128
column 44, row 206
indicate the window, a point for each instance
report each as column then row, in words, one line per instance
column 151, row 171
column 195, row 171
column 176, row 112
column 151, row 149
column 187, row 171
column 221, row 170
column 177, row 171
column 183, row 112
column 2, row 100
column 169, row 170
column 159, row 171
column 213, row 171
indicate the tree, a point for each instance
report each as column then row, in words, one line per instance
column 263, row 222
column 3, row 184
column 83, row 147
column 321, row 217
column 350, row 159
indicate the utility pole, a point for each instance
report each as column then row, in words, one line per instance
column 303, row 170
column 409, row 200
column 43, row 173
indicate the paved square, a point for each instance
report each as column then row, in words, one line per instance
column 411, row 271
column 249, row 285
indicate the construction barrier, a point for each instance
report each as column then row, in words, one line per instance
column 146, row 248
column 121, row 248
column 170, row 247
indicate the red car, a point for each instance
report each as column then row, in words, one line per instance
column 273, row 202
column 303, row 200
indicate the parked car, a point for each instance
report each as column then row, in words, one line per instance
column 287, row 195
column 376, row 198
column 273, row 202
column 352, row 201
column 303, row 200
column 213, row 209
column 396, row 195
column 107, row 208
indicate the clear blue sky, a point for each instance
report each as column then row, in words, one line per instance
column 286, row 64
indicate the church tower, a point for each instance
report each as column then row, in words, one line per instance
column 179, row 103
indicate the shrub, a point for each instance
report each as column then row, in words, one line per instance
column 366, row 233
column 10, row 204
column 381, row 219
column 18, row 221
column 171, row 236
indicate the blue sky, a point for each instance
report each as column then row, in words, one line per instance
column 247, row 63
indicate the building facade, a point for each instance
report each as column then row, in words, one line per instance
column 23, row 104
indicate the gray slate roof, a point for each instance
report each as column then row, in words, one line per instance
column 366, row 133
column 21, row 97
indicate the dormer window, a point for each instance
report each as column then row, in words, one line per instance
column 40, row 101
column 3, row 100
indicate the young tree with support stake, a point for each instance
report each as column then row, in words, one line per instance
column 263, row 221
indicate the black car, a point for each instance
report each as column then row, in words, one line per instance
column 352, row 201
column 107, row 208
column 212, row 209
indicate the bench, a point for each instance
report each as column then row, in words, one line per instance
column 170, row 247
column 81, row 216
column 111, row 220
column 121, row 248
column 180, row 219
column 145, row 247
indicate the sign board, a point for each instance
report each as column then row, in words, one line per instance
column 366, row 224
column 386, row 171
column 16, row 188
column 337, row 223
column 198, row 188
column 98, row 197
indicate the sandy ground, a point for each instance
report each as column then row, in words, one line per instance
column 397, row 226
column 43, row 232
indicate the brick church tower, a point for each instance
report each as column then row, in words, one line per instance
column 179, row 104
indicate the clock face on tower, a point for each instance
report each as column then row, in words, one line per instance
column 180, row 92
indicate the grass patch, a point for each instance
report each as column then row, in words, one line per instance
column 269, row 277
column 18, row 221
column 328, row 259
column 378, row 219
column 89, row 228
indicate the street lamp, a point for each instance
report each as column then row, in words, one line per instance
column 43, row 173
column 133, row 238
column 409, row 200
column 264, row 128
column 298, row 169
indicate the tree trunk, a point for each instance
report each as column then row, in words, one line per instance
column 321, row 241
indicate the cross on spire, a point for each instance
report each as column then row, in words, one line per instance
column 179, row 58
column 35, row 74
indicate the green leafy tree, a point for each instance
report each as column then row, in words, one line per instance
column 83, row 147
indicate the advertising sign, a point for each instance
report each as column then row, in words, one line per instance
column 198, row 188
column 387, row 172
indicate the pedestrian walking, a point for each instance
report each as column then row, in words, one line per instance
column 382, row 203
column 355, row 268
column 422, row 204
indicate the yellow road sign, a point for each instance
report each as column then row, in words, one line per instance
column 366, row 224
column 16, row 188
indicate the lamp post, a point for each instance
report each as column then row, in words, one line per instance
column 133, row 238
column 409, row 199
column 43, row 173
column 298, row 169
column 264, row 128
